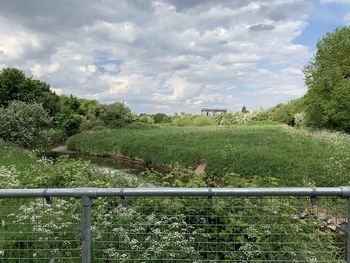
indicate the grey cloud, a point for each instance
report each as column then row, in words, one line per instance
column 186, row 5
column 57, row 16
column 261, row 27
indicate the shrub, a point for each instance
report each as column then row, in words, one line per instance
column 116, row 115
column 87, row 125
column 70, row 123
column 52, row 136
column 203, row 121
column 23, row 123
column 161, row 118
column 241, row 117
column 182, row 121
column 198, row 120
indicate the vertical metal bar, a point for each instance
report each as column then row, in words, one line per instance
column 348, row 232
column 86, row 229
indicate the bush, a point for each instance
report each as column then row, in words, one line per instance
column 203, row 121
column 116, row 115
column 87, row 125
column 198, row 120
column 145, row 118
column 241, row 117
column 23, row 123
column 70, row 123
column 161, row 118
column 182, row 121
column 52, row 136
column 282, row 113
column 292, row 113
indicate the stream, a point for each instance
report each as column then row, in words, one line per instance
column 105, row 164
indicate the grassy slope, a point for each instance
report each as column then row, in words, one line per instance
column 13, row 155
column 263, row 151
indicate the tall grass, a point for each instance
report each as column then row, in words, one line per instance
column 14, row 155
column 272, row 153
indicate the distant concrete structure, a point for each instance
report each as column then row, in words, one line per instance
column 212, row 112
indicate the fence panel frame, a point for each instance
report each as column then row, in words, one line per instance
column 86, row 195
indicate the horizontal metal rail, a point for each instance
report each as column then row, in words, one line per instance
column 342, row 191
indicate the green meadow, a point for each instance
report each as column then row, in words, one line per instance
column 275, row 155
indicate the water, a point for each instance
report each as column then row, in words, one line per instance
column 105, row 164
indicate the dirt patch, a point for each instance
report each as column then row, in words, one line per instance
column 200, row 169
column 62, row 149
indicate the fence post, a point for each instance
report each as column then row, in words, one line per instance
column 86, row 202
column 348, row 232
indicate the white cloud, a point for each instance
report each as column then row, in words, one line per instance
column 182, row 89
column 40, row 70
column 160, row 55
column 346, row 18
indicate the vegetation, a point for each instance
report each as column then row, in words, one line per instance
column 161, row 118
column 23, row 123
column 328, row 81
column 14, row 85
column 193, row 120
column 271, row 154
column 186, row 236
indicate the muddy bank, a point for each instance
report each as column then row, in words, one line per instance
column 134, row 163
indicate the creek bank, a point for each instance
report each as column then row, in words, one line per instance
column 130, row 162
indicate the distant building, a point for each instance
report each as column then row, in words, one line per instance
column 212, row 112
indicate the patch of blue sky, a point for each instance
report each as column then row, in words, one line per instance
column 323, row 18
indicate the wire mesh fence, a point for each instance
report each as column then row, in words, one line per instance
column 174, row 228
column 32, row 230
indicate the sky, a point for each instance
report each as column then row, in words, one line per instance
column 169, row 55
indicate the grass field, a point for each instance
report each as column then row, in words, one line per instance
column 276, row 155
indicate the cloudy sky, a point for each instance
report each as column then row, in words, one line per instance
column 168, row 55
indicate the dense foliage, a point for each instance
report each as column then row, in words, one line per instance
column 14, row 85
column 23, row 123
column 328, row 81
column 291, row 113
column 161, row 118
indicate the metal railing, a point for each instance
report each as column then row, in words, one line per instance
column 175, row 225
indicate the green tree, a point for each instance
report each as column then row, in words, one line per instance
column 91, row 109
column 161, row 118
column 12, row 82
column 244, row 109
column 327, row 77
column 116, row 115
column 14, row 85
column 69, row 103
column 23, row 123
column 69, row 122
